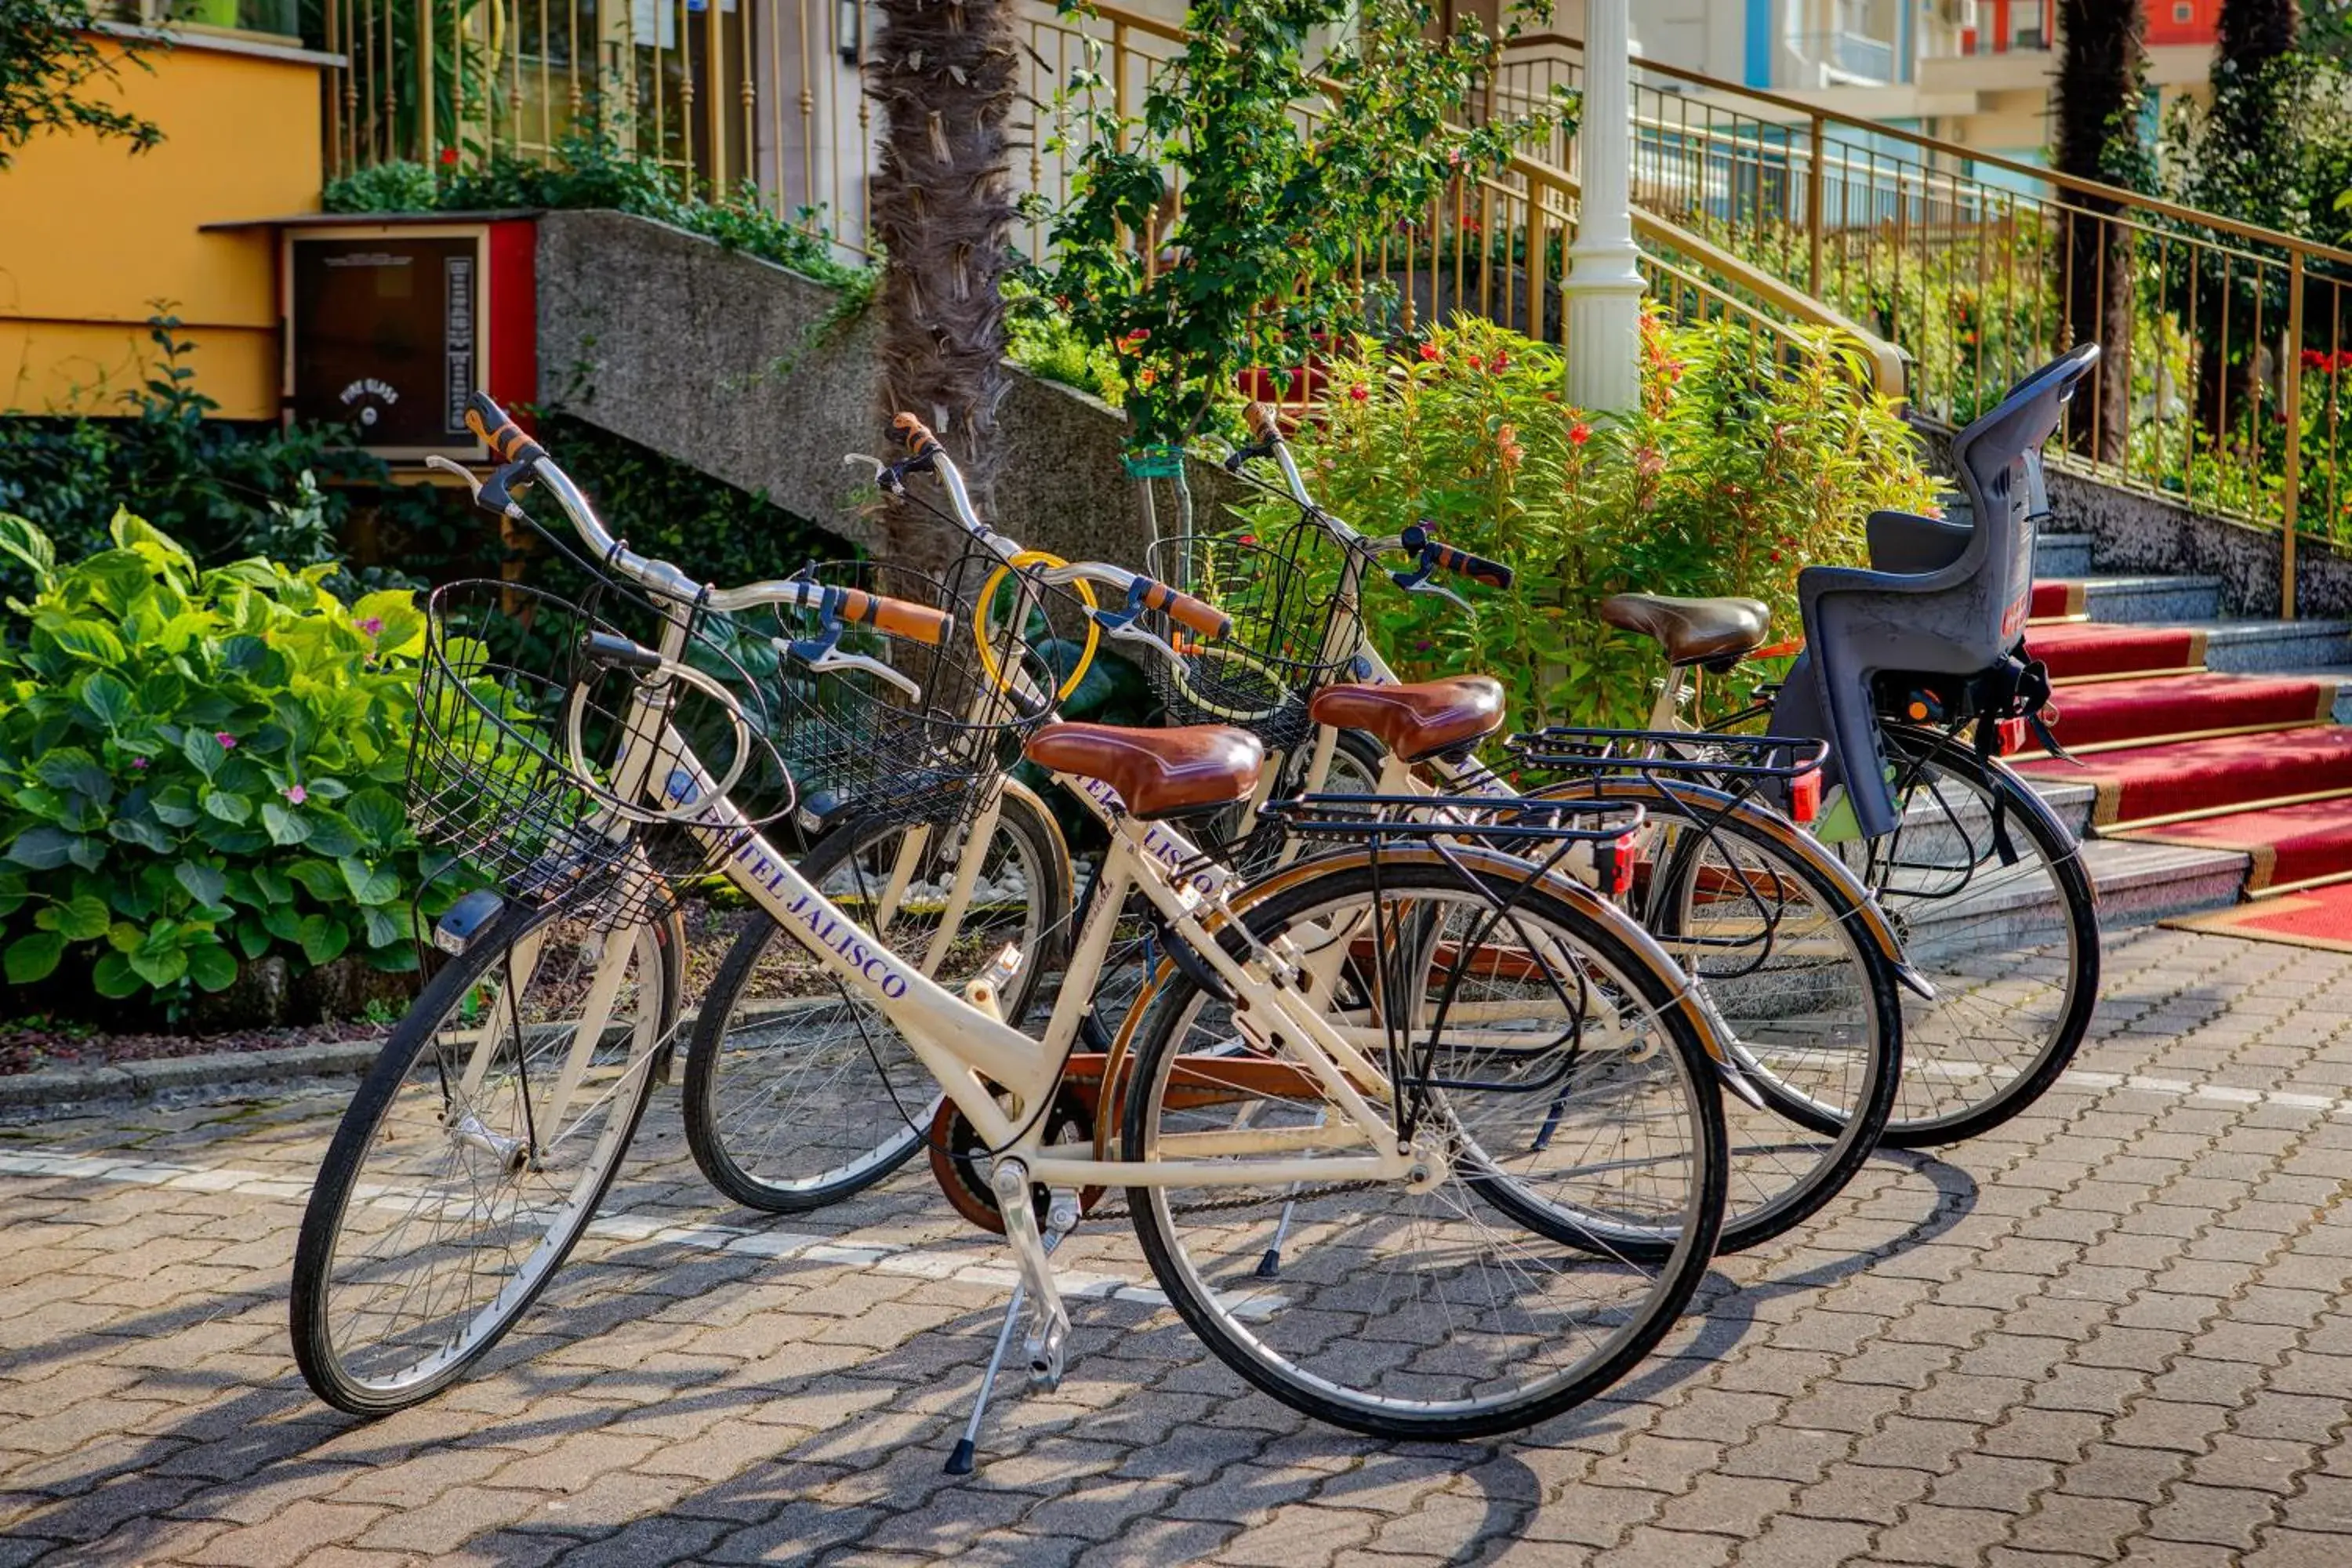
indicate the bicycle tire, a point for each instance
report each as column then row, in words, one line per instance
column 751, row 1136
column 1984, row 989
column 1364, row 1383
column 428, row 1358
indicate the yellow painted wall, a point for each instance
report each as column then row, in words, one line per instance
column 91, row 233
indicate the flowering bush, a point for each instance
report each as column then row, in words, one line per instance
column 198, row 768
column 1736, row 471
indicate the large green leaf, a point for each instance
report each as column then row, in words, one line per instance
column 175, row 806
column 377, row 817
column 43, row 848
column 205, row 884
column 28, row 544
column 71, row 768
column 82, row 918
column 212, row 967
column 140, row 831
column 369, row 885
column 160, row 966
column 284, row 825
column 83, row 638
column 230, row 808
column 324, row 938
column 32, row 957
column 107, row 698
column 111, row 976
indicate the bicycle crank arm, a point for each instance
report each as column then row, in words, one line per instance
column 1049, row 1320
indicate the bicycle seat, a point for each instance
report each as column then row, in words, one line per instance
column 1418, row 718
column 1157, row 773
column 1692, row 631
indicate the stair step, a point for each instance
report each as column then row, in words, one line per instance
column 2061, row 555
column 2140, row 882
column 2156, row 781
column 2288, row 844
column 2160, row 707
column 2140, row 600
column 2250, row 646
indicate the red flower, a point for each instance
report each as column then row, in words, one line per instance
column 1579, row 433
column 2313, row 360
column 448, row 156
column 1501, row 360
column 1429, row 351
column 1360, row 392
column 1476, row 364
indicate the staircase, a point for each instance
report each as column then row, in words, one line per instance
column 2213, row 756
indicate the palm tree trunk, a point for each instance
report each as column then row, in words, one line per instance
column 2101, row 57
column 943, row 72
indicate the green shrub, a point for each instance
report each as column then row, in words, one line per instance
column 1736, row 472
column 199, row 767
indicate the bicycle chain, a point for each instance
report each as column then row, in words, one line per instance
column 1213, row 1205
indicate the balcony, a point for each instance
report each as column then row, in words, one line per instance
column 1846, row 58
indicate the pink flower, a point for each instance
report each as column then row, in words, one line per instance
column 140, row 763
column 228, row 742
column 372, row 626
column 1360, row 393
column 298, row 794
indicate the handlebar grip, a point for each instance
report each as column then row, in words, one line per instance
column 915, row 434
column 1263, row 425
column 1198, row 615
column 1477, row 568
column 1461, row 563
column 916, row 623
column 496, row 429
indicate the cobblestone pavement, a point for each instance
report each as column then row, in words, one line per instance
column 2114, row 1331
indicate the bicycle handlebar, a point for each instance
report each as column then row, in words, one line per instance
column 1435, row 552
column 525, row 460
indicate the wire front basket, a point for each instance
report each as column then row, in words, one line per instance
column 922, row 748
column 1290, row 635
column 504, row 694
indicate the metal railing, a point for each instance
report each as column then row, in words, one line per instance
column 2228, row 379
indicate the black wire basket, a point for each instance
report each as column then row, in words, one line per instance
column 862, row 747
column 1291, row 634
column 506, row 689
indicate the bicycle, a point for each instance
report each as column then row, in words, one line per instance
column 1346, row 1092
column 1801, row 968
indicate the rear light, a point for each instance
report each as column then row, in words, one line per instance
column 1613, row 860
column 1805, row 795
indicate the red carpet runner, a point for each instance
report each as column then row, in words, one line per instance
column 2180, row 754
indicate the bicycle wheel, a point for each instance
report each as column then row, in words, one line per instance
column 475, row 1153
column 1775, row 936
column 799, row 1094
column 1561, row 1065
column 2004, row 924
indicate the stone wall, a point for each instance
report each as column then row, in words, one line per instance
column 2134, row 533
column 733, row 364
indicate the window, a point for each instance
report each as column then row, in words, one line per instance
column 2182, row 11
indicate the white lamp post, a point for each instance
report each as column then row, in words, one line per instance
column 1602, row 294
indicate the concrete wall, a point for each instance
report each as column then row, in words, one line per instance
column 726, row 362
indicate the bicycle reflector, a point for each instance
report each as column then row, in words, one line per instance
column 1613, row 864
column 1805, row 796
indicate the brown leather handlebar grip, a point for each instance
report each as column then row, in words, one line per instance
column 915, row 434
column 1477, row 568
column 1185, row 610
column 916, row 623
column 497, row 430
column 1263, row 425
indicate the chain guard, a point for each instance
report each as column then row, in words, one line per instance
column 960, row 1158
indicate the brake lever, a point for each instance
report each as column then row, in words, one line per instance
column 821, row 656
column 1418, row 583
column 449, row 465
column 1124, row 628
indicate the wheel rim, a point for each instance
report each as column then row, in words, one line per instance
column 1370, row 1272
column 1998, row 941
column 464, row 1201
column 813, row 1089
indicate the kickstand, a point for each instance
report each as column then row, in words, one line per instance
column 967, row 1448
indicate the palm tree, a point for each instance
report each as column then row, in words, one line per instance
column 944, row 73
column 2101, row 60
